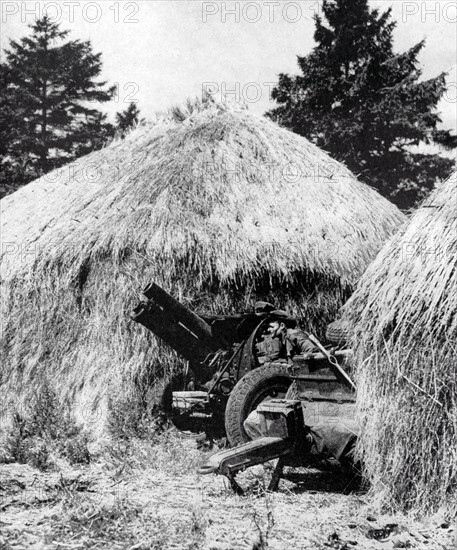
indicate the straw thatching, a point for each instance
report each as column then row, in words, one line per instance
column 405, row 314
column 221, row 209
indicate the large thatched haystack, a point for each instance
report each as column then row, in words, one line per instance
column 221, row 209
column 405, row 313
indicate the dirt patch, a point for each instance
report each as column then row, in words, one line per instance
column 154, row 500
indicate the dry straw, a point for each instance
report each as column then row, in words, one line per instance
column 220, row 207
column 405, row 313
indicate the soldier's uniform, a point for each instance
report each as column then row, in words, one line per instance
column 298, row 343
column 271, row 348
column 284, row 346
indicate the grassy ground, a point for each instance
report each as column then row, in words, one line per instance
column 145, row 496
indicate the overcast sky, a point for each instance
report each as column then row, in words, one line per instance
column 162, row 51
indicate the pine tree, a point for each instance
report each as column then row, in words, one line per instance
column 15, row 170
column 366, row 105
column 125, row 120
column 48, row 96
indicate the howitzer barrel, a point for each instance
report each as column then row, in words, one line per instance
column 187, row 333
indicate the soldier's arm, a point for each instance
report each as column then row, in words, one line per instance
column 300, row 343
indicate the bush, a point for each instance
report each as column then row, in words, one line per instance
column 45, row 428
column 129, row 418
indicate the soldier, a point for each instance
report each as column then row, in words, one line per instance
column 271, row 347
column 294, row 341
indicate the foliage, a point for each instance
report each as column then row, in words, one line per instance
column 365, row 104
column 47, row 99
column 134, row 415
column 45, row 428
column 128, row 119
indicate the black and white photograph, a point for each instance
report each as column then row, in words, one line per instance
column 228, row 275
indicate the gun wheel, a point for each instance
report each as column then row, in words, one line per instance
column 188, row 427
column 164, row 403
column 267, row 382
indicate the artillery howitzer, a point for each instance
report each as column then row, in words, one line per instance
column 225, row 381
column 218, row 386
column 316, row 423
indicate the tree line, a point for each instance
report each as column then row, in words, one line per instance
column 366, row 105
column 49, row 92
column 354, row 97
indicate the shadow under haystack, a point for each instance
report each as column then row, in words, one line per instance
column 220, row 209
column 405, row 315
